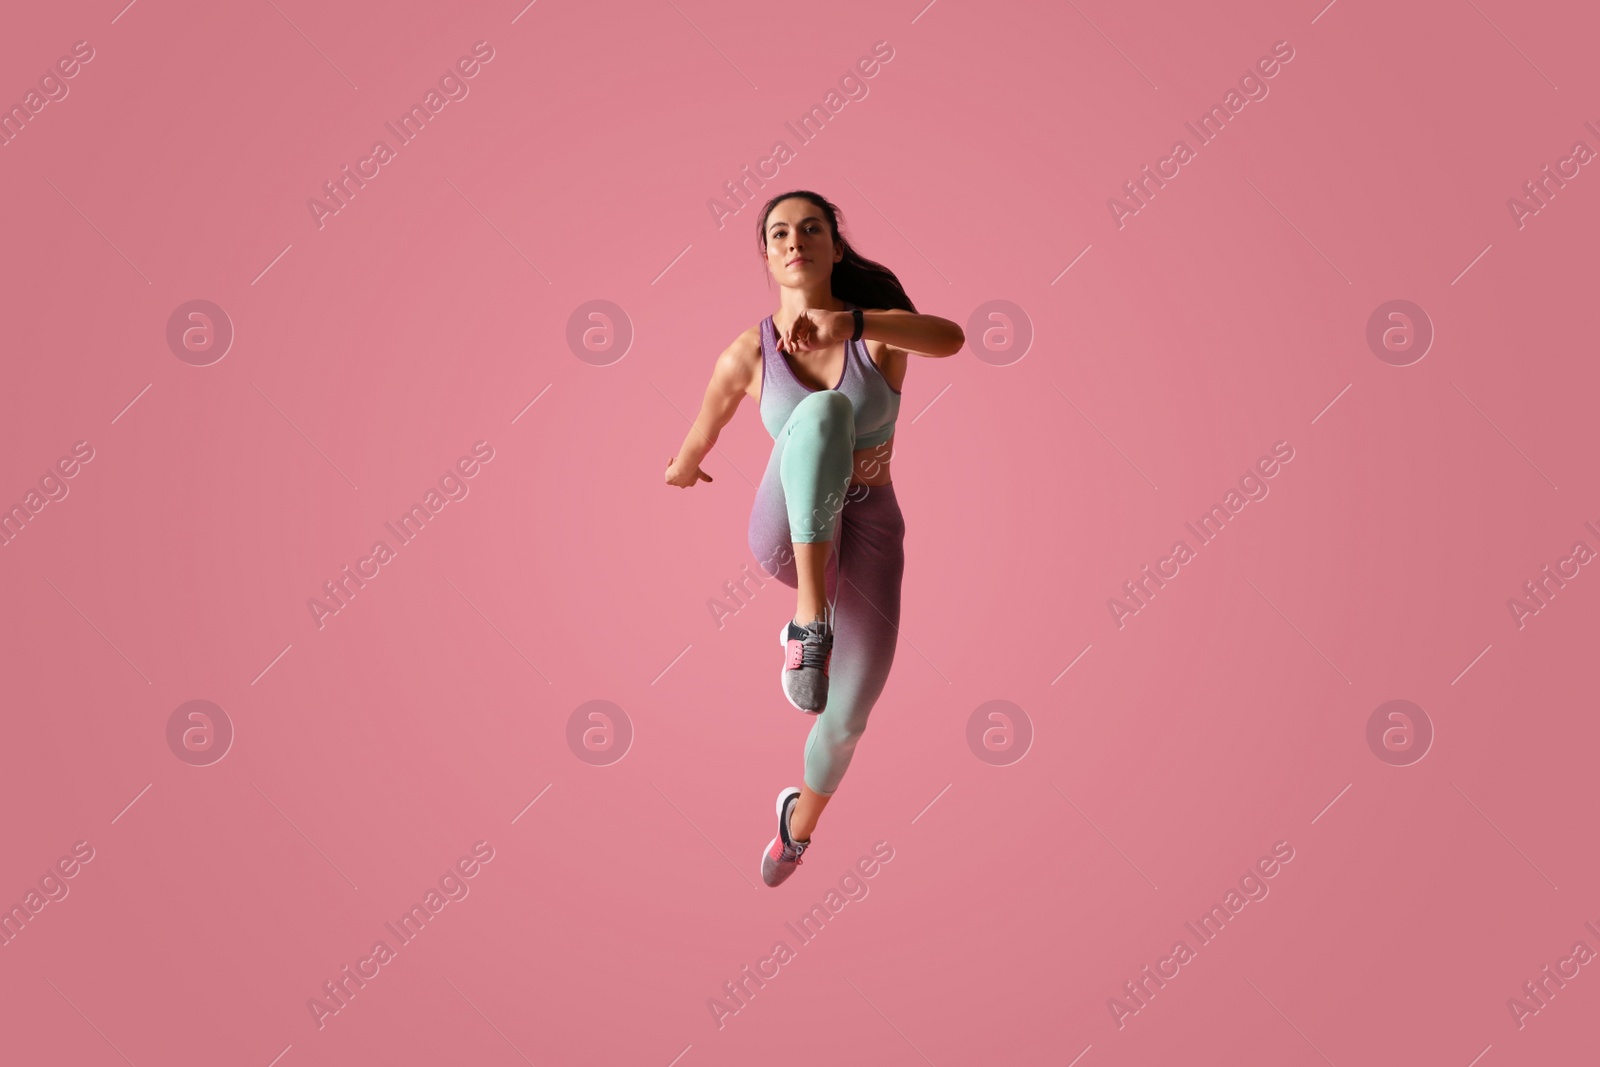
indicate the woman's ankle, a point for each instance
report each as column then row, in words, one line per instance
column 795, row 824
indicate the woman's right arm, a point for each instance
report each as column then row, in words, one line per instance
column 731, row 379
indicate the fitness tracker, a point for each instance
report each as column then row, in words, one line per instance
column 861, row 323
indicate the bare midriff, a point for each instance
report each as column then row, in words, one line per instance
column 872, row 464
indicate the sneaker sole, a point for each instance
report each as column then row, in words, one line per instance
column 783, row 642
column 761, row 871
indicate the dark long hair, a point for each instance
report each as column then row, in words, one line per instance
column 856, row 279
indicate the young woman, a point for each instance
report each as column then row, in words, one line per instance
column 826, row 374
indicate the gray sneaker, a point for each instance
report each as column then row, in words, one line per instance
column 783, row 854
column 807, row 650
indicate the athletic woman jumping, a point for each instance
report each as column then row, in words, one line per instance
column 845, row 320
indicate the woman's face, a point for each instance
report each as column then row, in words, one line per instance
column 800, row 247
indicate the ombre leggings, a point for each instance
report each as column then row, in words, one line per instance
column 805, row 496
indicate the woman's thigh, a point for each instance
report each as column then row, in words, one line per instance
column 771, row 536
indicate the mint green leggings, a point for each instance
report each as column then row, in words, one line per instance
column 806, row 496
column 815, row 453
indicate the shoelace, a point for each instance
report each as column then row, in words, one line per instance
column 812, row 651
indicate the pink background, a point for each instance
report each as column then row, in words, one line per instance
column 369, row 355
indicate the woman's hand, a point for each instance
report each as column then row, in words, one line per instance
column 815, row 328
column 684, row 478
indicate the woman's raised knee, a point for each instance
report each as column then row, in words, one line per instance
column 826, row 408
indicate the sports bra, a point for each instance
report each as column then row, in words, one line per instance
column 876, row 403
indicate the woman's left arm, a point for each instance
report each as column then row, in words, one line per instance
column 897, row 330
column 924, row 335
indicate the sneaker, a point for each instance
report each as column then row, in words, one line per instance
column 807, row 650
column 783, row 854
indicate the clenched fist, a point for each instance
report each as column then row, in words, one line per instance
column 682, row 477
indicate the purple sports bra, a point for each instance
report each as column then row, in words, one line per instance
column 876, row 404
